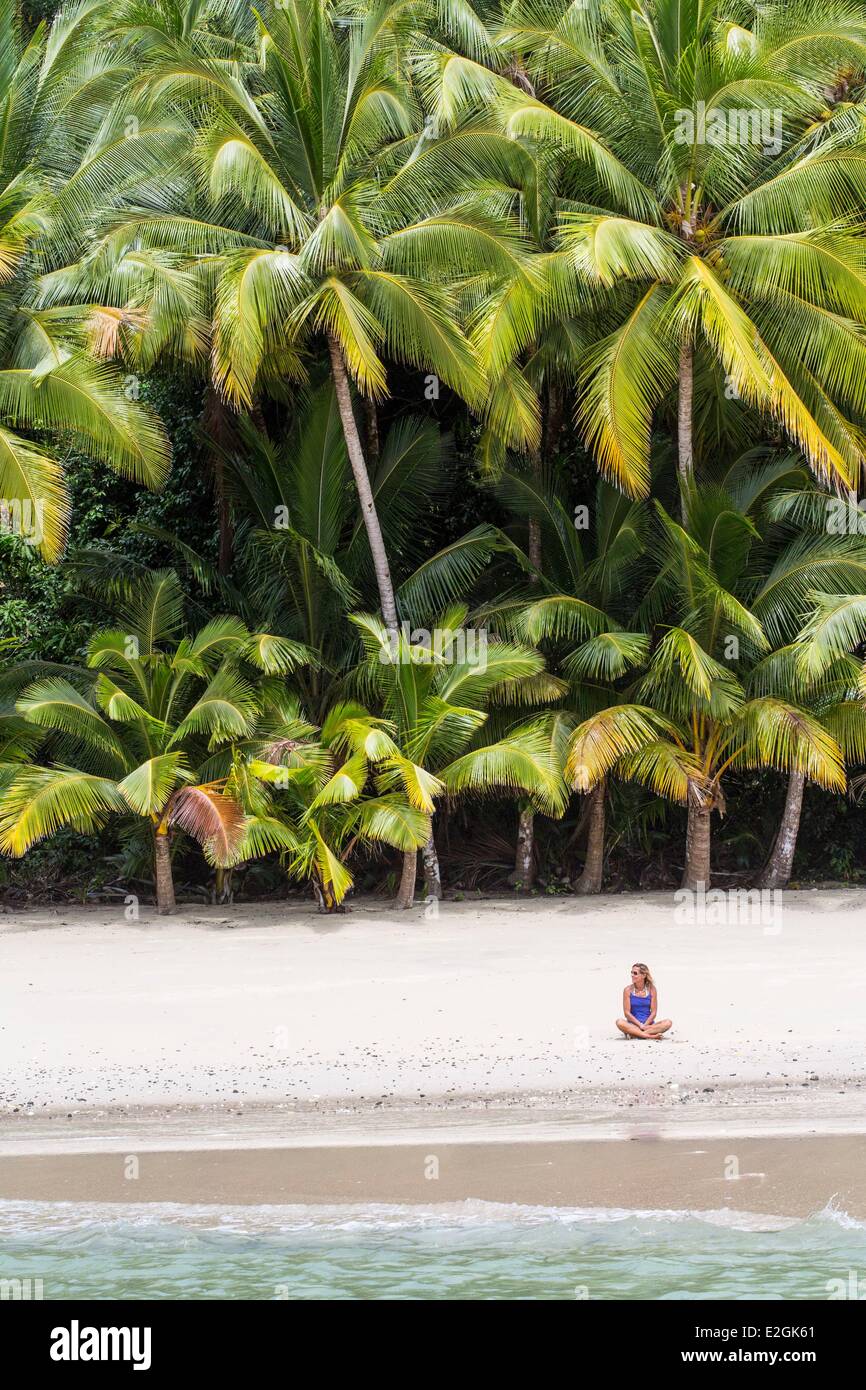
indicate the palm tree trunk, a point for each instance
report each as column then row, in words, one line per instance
column 226, row 537
column 432, row 874
column 222, row 888
column 324, row 897
column 217, row 426
column 698, row 840
column 524, row 859
column 362, row 483
column 523, row 874
column 534, row 549
column 524, row 856
column 777, row 870
column 165, row 902
column 553, row 420
column 371, row 431
column 685, row 443
column 406, row 891
column 590, row 879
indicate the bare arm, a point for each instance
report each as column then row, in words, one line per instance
column 654, row 1007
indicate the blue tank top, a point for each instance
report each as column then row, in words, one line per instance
column 640, row 1007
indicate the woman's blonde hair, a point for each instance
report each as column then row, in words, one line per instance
column 648, row 980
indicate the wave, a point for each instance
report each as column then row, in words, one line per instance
column 467, row 1250
column 53, row 1217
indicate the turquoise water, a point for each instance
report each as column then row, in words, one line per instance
column 471, row 1250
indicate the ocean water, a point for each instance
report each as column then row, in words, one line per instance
column 470, row 1250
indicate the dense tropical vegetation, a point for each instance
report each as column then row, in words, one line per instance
column 431, row 438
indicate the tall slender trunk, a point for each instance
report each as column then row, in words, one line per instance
column 523, row 874
column 432, row 874
column 590, row 879
column 371, row 431
column 550, row 427
column 685, row 443
column 226, row 537
column 217, row 424
column 406, row 891
column 165, row 902
column 524, row 858
column 362, row 483
column 777, row 870
column 553, row 420
column 698, row 842
column 534, row 548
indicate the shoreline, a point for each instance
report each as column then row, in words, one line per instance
column 595, row 1113
column 273, row 1056
column 782, row 1177
column 745, row 1155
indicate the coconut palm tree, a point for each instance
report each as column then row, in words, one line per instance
column 601, row 658
column 320, row 800
column 302, row 560
column 436, row 689
column 143, row 306
column 713, row 674
column 705, row 159
column 814, row 550
column 824, row 665
column 833, row 696
column 593, row 572
column 541, row 372
column 55, row 89
column 707, row 727
column 135, row 739
column 324, row 219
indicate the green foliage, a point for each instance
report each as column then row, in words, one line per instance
column 487, row 262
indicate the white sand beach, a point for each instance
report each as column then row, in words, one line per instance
column 274, row 1028
column 497, row 999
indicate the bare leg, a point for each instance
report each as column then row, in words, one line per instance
column 631, row 1030
column 658, row 1029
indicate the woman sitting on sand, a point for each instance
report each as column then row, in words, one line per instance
column 639, row 1004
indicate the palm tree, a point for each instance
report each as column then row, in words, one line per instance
column 312, row 800
column 833, row 697
column 54, row 91
column 704, row 165
column 143, row 306
column 327, row 217
column 712, row 676
column 302, row 561
column 825, row 666
column 588, row 589
column 436, row 689
column 602, row 657
column 135, row 740
column 812, row 561
column 541, row 373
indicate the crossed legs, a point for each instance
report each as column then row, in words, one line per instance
column 654, row 1031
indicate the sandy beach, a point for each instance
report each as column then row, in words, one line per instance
column 270, row 1054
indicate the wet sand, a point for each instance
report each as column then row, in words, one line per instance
column 781, row 1177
